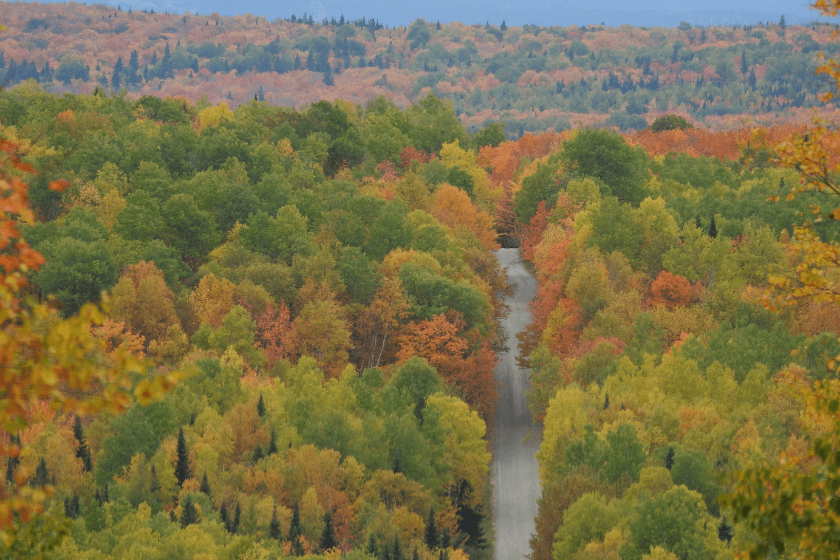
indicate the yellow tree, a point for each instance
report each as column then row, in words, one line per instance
column 794, row 504
column 46, row 360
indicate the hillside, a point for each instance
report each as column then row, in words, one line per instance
column 533, row 78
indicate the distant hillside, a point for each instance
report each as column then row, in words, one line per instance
column 533, row 78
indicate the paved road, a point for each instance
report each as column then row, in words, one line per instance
column 516, row 438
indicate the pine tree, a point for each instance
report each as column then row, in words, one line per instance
column 205, row 485
column 503, row 27
column 258, row 454
column 115, row 78
column 782, row 23
column 274, row 526
column 42, row 474
column 328, row 540
column 445, row 538
column 189, row 515
column 669, row 458
column 725, row 531
column 82, row 451
column 225, row 517
column 260, row 403
column 272, row 444
column 182, row 466
column 234, row 526
column 295, row 531
column 396, row 553
column 372, row 546
column 431, row 529
column 713, row 228
column 12, row 462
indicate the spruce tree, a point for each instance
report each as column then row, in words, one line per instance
column 12, row 462
column 372, row 546
column 669, row 458
column 205, row 485
column 272, row 443
column 182, row 466
column 431, row 529
column 295, row 531
column 42, row 475
column 82, row 451
column 258, row 454
column 189, row 515
column 396, row 552
column 713, row 228
column 260, row 403
column 328, row 540
column 274, row 526
column 234, row 526
column 223, row 515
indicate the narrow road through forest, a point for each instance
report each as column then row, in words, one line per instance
column 516, row 438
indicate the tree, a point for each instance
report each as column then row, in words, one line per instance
column 46, row 360
column 295, row 531
column 328, row 540
column 189, row 514
column 670, row 122
column 82, row 451
column 604, row 155
column 182, row 464
column 274, row 526
column 431, row 536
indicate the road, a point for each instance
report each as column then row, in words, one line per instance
column 516, row 438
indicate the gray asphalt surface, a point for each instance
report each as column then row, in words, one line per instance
column 516, row 438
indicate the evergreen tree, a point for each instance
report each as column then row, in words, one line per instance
column 274, row 526
column 258, row 454
column 713, row 228
column 225, row 517
column 189, row 515
column 328, row 79
column 295, row 531
column 182, row 465
column 445, row 538
column 234, row 526
column 260, row 403
column 725, row 531
column 42, row 474
column 782, row 23
column 503, row 27
column 328, row 540
column 431, row 529
column 115, row 78
column 272, row 443
column 669, row 458
column 12, row 462
column 372, row 546
column 205, row 486
column 396, row 552
column 82, row 451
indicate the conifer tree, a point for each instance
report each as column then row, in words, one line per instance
column 372, row 546
column 189, row 515
column 669, row 458
column 42, row 474
column 328, row 540
column 205, row 485
column 82, row 451
column 295, row 531
column 431, row 529
column 274, row 526
column 261, row 403
column 258, row 454
column 12, row 462
column 713, row 229
column 272, row 444
column 396, row 553
column 234, row 526
column 225, row 517
column 182, row 466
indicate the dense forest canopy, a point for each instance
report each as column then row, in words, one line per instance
column 319, row 280
column 533, row 78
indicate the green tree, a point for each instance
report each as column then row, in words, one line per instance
column 604, row 155
column 672, row 521
column 670, row 122
column 182, row 463
column 328, row 540
column 191, row 231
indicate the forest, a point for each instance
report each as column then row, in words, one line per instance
column 251, row 330
column 533, row 78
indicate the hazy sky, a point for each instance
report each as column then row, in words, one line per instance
column 515, row 12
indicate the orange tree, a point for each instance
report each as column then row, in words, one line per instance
column 45, row 359
column 793, row 505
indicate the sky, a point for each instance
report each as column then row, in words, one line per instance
column 394, row 13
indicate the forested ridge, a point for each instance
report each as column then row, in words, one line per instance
column 264, row 331
column 533, row 77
